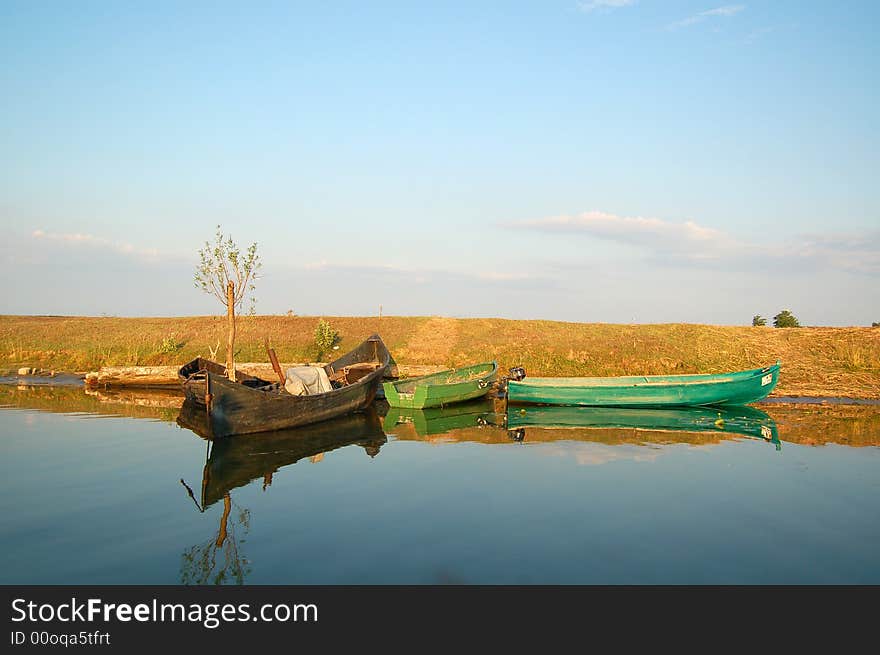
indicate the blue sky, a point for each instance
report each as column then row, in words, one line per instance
column 608, row 160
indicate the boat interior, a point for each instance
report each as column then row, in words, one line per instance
column 450, row 376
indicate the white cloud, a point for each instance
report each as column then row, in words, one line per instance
column 688, row 242
column 636, row 230
column 726, row 11
column 855, row 253
column 77, row 239
column 589, row 6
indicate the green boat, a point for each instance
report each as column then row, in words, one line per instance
column 443, row 388
column 649, row 391
column 733, row 420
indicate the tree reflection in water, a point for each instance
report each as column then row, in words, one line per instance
column 237, row 462
column 220, row 560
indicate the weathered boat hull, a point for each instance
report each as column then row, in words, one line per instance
column 737, row 388
column 235, row 408
column 443, row 388
column 193, row 377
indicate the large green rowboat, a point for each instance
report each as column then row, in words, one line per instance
column 443, row 388
column 738, row 388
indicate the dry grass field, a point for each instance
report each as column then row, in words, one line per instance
column 816, row 361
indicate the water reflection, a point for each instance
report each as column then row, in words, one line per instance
column 220, row 559
column 235, row 462
column 453, row 423
column 480, row 422
column 801, row 423
column 156, row 404
column 695, row 425
column 728, row 514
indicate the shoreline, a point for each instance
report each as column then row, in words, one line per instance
column 67, row 379
column 817, row 362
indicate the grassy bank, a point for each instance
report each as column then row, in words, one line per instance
column 816, row 361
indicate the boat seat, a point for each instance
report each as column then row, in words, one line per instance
column 354, row 372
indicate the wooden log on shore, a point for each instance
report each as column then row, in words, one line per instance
column 155, row 376
column 133, row 376
column 166, row 376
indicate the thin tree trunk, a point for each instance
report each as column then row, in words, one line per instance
column 230, row 344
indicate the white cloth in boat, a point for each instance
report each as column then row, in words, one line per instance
column 306, row 380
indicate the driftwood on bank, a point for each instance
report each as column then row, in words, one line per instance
column 155, row 376
column 166, row 376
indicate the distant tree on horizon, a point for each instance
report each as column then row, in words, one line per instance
column 875, row 324
column 758, row 320
column 785, row 319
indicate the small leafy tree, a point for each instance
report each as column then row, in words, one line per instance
column 325, row 337
column 758, row 320
column 785, row 319
column 229, row 275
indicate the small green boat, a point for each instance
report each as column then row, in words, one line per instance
column 738, row 388
column 443, row 388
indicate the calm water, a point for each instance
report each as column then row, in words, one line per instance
column 91, row 492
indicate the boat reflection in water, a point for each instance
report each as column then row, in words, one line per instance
column 611, row 424
column 478, row 422
column 236, row 461
column 443, row 424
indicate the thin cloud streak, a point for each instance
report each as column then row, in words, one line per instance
column 671, row 243
column 625, row 229
column 402, row 274
column 726, row 11
column 604, row 5
column 754, row 35
column 597, row 454
column 77, row 239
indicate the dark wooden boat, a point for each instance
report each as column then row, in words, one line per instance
column 233, row 463
column 193, row 376
column 249, row 406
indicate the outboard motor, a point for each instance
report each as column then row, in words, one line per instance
column 516, row 374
